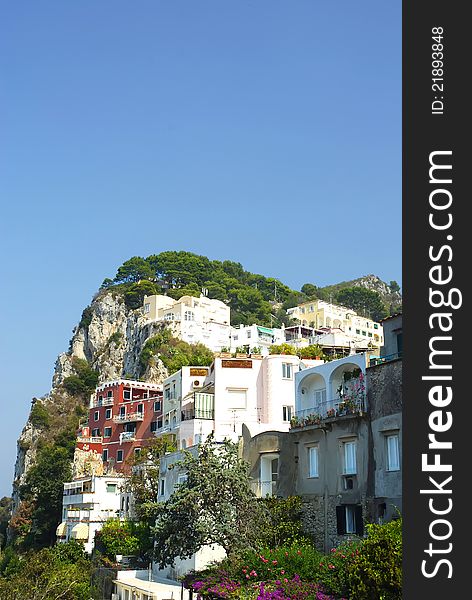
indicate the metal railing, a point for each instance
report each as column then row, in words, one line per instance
column 104, row 402
column 90, row 440
column 330, row 409
column 263, row 488
column 188, row 415
column 129, row 417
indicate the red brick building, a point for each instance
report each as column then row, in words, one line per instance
column 123, row 416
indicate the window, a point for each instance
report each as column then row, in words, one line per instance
column 122, row 411
column 96, row 415
column 364, row 333
column 107, row 432
column 370, row 335
column 319, row 397
column 111, row 488
column 248, row 334
column 162, row 487
column 287, row 370
column 100, row 400
column 140, row 409
column 137, row 451
column 236, row 398
column 108, row 413
column 313, row 461
column 182, row 479
column 127, row 394
column 105, row 455
column 189, row 315
column 147, row 308
column 119, row 456
column 358, row 331
column 169, row 316
column 153, row 426
column 376, row 326
column 349, row 450
column 96, row 432
column 157, row 406
column 109, row 394
column 286, row 413
column 393, row 454
column 349, row 519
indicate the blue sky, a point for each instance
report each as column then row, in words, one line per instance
column 266, row 132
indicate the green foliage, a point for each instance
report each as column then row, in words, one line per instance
column 394, row 287
column 376, row 571
column 283, row 349
column 134, row 294
column 285, row 526
column 5, row 514
column 214, row 505
column 39, row 416
column 143, row 480
column 61, row 572
column 86, row 318
column 122, row 537
column 312, row 351
column 363, row 301
column 115, row 338
column 133, row 270
column 84, row 381
column 173, row 352
column 309, row 290
column 43, row 488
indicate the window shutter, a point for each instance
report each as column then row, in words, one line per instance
column 341, row 519
column 359, row 521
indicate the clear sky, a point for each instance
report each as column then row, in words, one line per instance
column 262, row 131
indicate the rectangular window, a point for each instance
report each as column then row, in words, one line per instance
column 96, row 415
column 111, row 488
column 358, row 331
column 108, row 413
column 147, row 308
column 107, row 432
column 109, row 394
column 313, row 461
column 364, row 333
column 287, row 370
column 286, row 413
column 96, row 432
column 236, row 398
column 393, row 453
column 122, row 411
column 119, row 456
column 105, row 455
column 157, row 406
column 376, row 326
column 248, row 334
column 159, row 423
column 319, row 397
column 162, row 487
column 140, row 409
column 127, row 394
column 350, row 458
column 153, row 426
column 349, row 519
column 137, row 451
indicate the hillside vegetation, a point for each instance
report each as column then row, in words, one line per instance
column 253, row 298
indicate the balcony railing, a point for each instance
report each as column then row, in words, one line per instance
column 330, row 409
column 129, row 417
column 104, row 402
column 127, row 436
column 263, row 488
column 90, row 440
column 188, row 415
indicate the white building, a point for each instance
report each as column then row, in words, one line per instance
column 255, row 336
column 254, row 391
column 192, row 319
column 87, row 504
column 318, row 314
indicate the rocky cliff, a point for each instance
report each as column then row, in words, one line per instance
column 110, row 339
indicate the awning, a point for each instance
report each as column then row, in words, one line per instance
column 80, row 531
column 61, row 530
column 265, row 330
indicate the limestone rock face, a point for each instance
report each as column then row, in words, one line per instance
column 111, row 342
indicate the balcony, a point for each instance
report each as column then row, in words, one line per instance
column 380, row 360
column 127, row 436
column 331, row 409
column 90, row 440
column 188, row 415
column 103, row 402
column 129, row 417
column 263, row 488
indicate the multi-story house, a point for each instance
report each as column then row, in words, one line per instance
column 254, row 391
column 192, row 319
column 321, row 315
column 255, row 336
column 123, row 414
column 88, row 502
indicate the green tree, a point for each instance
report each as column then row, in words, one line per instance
column 5, row 514
column 122, row 537
column 133, row 270
column 363, row 301
column 134, row 294
column 394, row 287
column 283, row 349
column 39, row 416
column 84, row 381
column 43, row 488
column 59, row 573
column 143, row 480
column 309, row 290
column 214, row 505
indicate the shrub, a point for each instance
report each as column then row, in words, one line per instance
column 86, row 318
column 84, row 381
column 376, row 572
column 39, row 416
